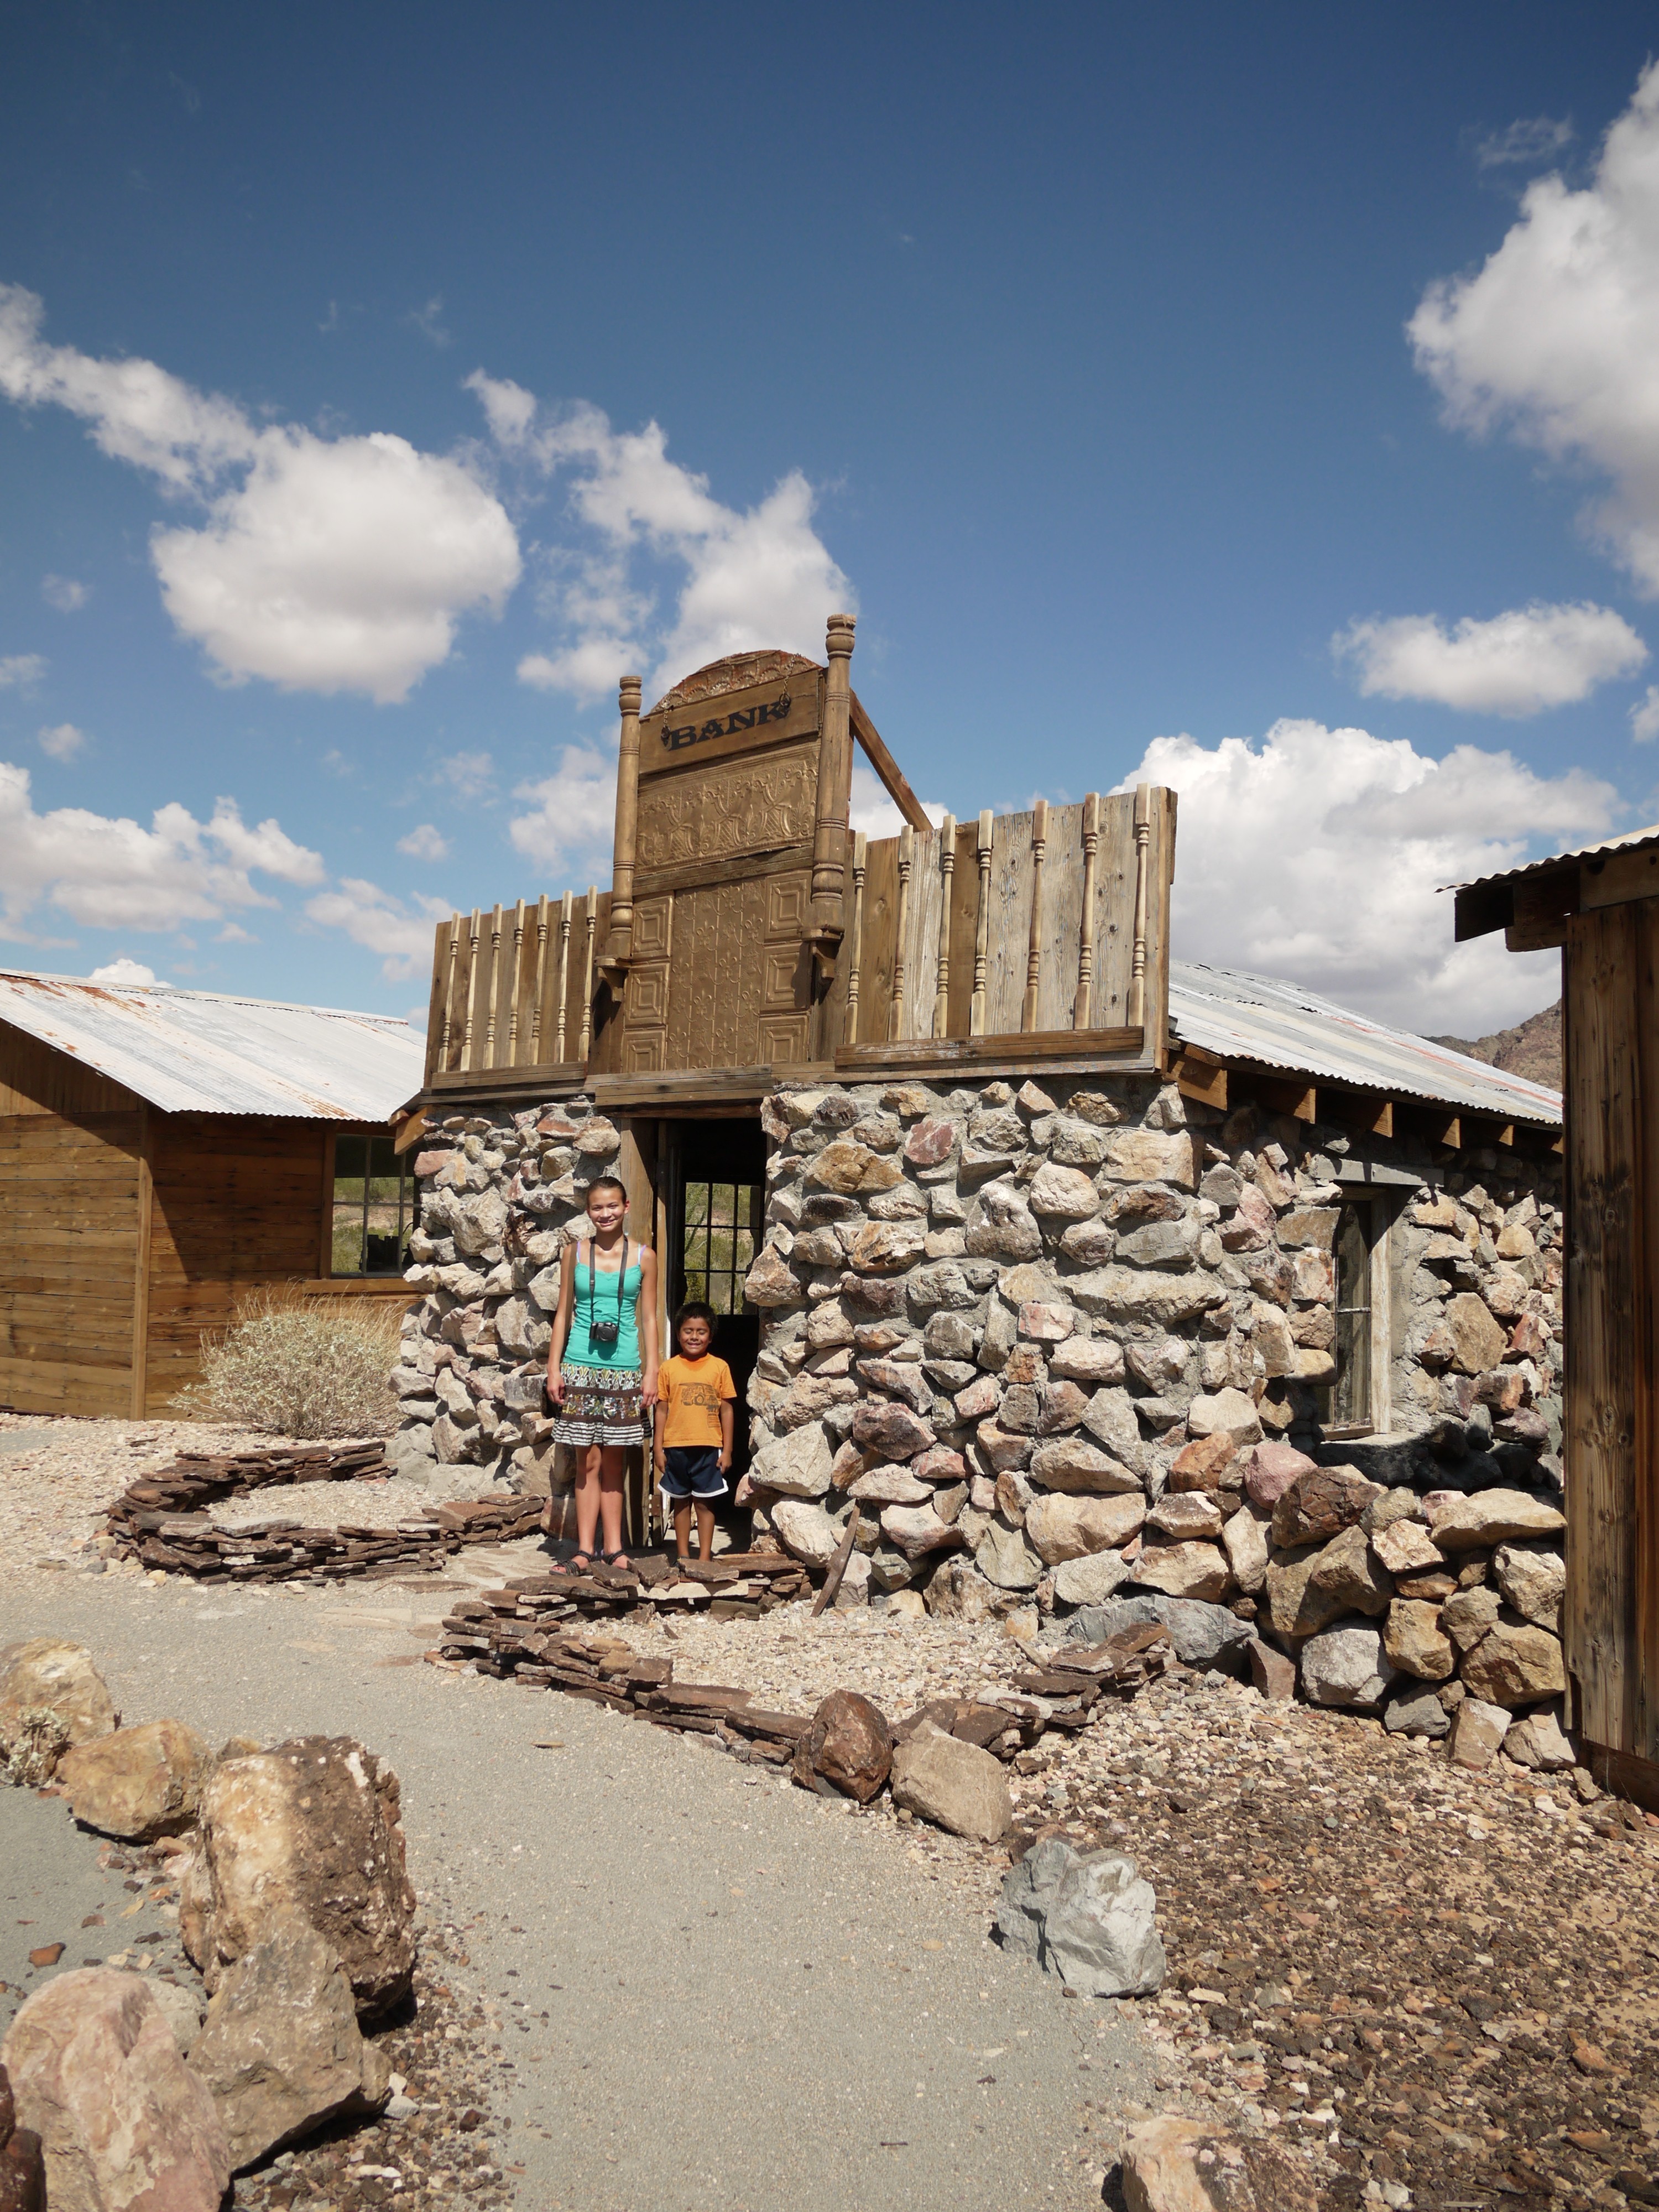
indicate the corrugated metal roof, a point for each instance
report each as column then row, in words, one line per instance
column 1279, row 1024
column 209, row 1052
column 1630, row 842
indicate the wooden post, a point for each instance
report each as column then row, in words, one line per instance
column 855, row 936
column 449, row 958
column 541, row 981
column 587, row 971
column 834, row 787
column 619, row 938
column 566, row 905
column 518, row 965
column 981, row 928
column 1028, row 1011
column 494, row 987
column 947, row 862
column 471, row 988
column 907, row 861
column 1084, row 1004
column 1137, row 1005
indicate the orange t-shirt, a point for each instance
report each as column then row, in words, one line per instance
column 692, row 1389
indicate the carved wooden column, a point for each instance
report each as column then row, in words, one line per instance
column 619, row 938
column 834, row 791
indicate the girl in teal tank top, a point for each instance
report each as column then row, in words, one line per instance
column 602, row 1364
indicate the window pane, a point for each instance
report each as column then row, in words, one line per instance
column 1346, row 1403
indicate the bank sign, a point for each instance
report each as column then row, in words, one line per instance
column 746, row 717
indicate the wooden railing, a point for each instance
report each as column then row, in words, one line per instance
column 1029, row 924
column 513, row 986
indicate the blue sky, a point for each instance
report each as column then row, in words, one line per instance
column 375, row 385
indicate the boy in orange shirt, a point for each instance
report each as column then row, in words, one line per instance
column 694, row 1421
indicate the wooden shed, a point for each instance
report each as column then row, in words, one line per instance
column 1602, row 907
column 163, row 1152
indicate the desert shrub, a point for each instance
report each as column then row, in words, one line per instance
column 300, row 1366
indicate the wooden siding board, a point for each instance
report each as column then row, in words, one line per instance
column 1010, row 910
column 69, row 1240
column 1603, row 1119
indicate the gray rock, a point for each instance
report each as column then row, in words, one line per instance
column 954, row 1784
column 1086, row 1916
column 1204, row 1635
column 1091, row 1580
column 1533, row 1581
column 1004, row 1557
column 797, row 1465
column 1346, row 1666
column 1416, row 1712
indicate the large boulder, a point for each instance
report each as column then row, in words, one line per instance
column 1478, row 1341
column 22, row 2169
column 280, row 2051
column 1091, row 1580
column 1346, row 1666
column 309, row 1831
column 139, row 1784
column 1346, row 1572
column 797, row 1465
column 891, row 1431
column 1183, row 1570
column 1414, row 1641
column 1003, row 1555
column 1245, row 1538
column 125, row 2124
column 1172, row 2165
column 51, row 1697
column 1146, row 1294
column 1229, row 1414
column 849, row 1748
column 1514, row 1667
column 1271, row 1469
column 1533, row 1582
column 1066, row 1527
column 954, row 1784
column 1319, row 1503
column 1086, row 1916
column 1203, row 1635
column 1071, row 1464
column 1488, row 1517
column 916, row 1530
column 807, row 1531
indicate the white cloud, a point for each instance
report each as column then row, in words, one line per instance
column 428, row 320
column 424, row 842
column 106, row 871
column 1318, row 856
column 1645, row 717
column 469, row 775
column 401, row 932
column 573, row 811
column 340, row 564
column 760, row 577
column 64, row 594
column 233, row 933
column 1556, row 334
column 1523, row 143
column 1519, row 663
column 19, row 671
column 62, row 741
column 124, row 971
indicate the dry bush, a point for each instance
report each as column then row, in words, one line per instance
column 300, row 1366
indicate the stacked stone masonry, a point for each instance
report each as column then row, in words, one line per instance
column 1063, row 1343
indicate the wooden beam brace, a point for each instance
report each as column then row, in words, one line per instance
column 410, row 1129
column 892, row 776
column 1298, row 1100
column 1201, row 1076
column 1359, row 1109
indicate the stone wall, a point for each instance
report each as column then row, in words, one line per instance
column 1061, row 1344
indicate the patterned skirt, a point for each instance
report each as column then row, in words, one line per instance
column 601, row 1406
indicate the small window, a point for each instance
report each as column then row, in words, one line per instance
column 721, row 1236
column 1348, row 1405
column 371, row 1222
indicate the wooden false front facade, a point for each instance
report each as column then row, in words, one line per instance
column 125, row 1232
column 1601, row 909
column 748, row 933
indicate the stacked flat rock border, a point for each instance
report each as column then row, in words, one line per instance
column 1054, row 1344
column 161, row 1520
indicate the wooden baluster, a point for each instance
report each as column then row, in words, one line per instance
column 518, row 964
column 471, row 988
column 619, row 935
column 907, row 861
column 1028, row 1011
column 541, row 981
column 860, row 848
column 494, row 987
column 565, row 911
column 981, row 928
column 587, row 1045
column 1138, row 966
column 947, row 863
column 449, row 990
column 1083, row 1006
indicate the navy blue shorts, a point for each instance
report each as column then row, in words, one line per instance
column 693, row 1471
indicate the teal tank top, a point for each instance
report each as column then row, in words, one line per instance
column 581, row 1351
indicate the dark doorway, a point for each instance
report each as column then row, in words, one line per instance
column 712, row 1180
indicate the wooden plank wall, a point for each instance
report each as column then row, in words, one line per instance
column 235, row 1204
column 1610, row 1613
column 496, row 973
column 35, row 1079
column 69, row 1245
